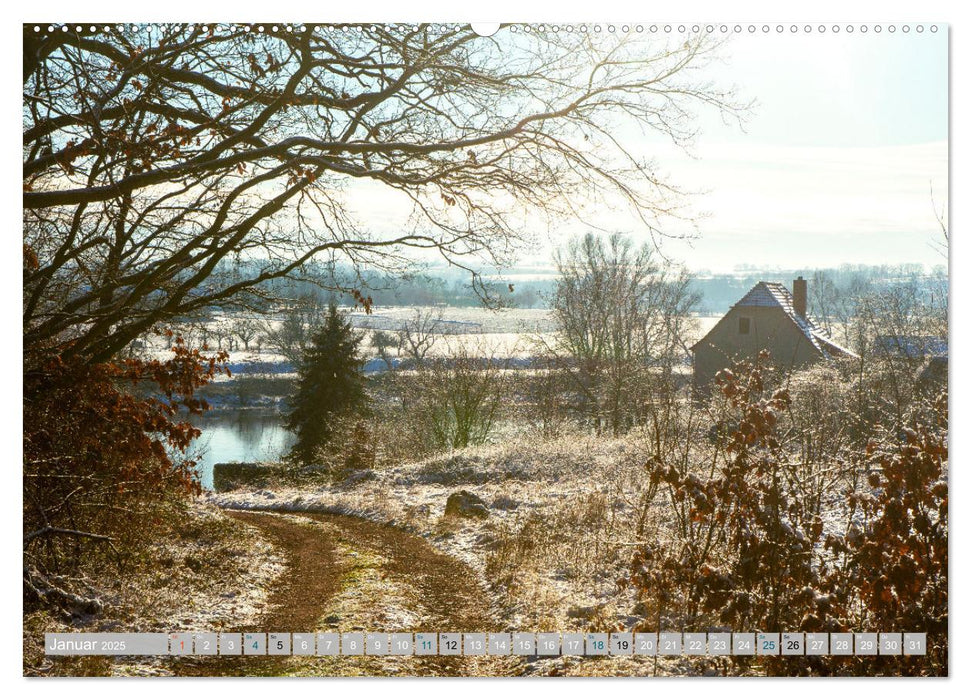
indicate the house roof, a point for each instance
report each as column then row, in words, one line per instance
column 775, row 294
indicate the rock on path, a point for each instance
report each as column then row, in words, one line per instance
column 345, row 574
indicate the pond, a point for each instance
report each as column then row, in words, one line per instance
column 238, row 436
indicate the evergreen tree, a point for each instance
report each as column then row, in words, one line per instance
column 330, row 386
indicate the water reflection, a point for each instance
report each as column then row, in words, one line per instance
column 238, row 436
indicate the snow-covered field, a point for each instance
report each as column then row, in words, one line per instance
column 505, row 333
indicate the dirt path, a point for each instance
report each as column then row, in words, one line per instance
column 348, row 574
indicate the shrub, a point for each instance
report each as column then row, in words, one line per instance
column 894, row 572
column 460, row 397
column 102, row 457
column 749, row 552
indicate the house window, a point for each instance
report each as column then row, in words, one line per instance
column 743, row 325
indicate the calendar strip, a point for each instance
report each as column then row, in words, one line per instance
column 487, row 643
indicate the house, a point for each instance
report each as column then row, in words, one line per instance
column 911, row 347
column 771, row 318
column 926, row 355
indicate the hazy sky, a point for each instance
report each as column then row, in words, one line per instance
column 835, row 164
column 839, row 156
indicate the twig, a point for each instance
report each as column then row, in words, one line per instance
column 48, row 530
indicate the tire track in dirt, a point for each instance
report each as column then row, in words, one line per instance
column 357, row 571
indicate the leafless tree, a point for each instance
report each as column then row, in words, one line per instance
column 291, row 335
column 246, row 329
column 383, row 342
column 834, row 306
column 461, row 394
column 152, row 159
column 942, row 242
column 940, row 282
column 623, row 314
column 895, row 323
column 222, row 332
column 418, row 334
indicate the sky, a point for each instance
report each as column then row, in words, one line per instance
column 838, row 159
column 842, row 159
column 840, row 156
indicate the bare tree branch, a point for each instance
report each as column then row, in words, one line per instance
column 154, row 162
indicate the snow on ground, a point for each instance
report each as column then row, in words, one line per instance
column 213, row 574
column 524, row 486
column 563, row 519
column 507, row 333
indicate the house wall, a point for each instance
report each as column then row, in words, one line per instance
column 770, row 328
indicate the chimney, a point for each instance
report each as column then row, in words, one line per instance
column 799, row 294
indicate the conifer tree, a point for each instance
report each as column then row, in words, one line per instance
column 330, row 387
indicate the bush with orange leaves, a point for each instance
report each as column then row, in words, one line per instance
column 104, row 455
column 747, row 553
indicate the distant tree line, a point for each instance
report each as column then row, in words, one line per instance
column 716, row 291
